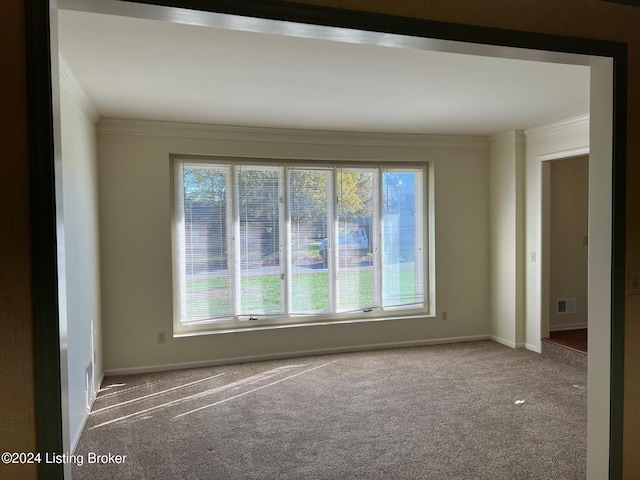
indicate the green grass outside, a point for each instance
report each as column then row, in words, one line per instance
column 310, row 292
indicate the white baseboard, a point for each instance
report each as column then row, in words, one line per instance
column 506, row 343
column 74, row 441
column 533, row 348
column 99, row 386
column 299, row 353
column 567, row 326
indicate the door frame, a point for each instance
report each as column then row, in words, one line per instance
column 46, row 216
column 545, row 231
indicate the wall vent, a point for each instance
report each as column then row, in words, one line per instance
column 566, row 306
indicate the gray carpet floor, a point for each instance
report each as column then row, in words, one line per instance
column 474, row 410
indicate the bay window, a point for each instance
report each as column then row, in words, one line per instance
column 258, row 243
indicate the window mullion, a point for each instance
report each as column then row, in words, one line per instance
column 377, row 227
column 333, row 262
column 234, row 257
column 180, row 283
column 285, row 239
column 421, row 240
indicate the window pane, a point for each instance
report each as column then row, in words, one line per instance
column 355, row 240
column 204, row 209
column 260, row 270
column 402, row 238
column 357, row 281
column 308, row 209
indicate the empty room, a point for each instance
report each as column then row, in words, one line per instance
column 295, row 251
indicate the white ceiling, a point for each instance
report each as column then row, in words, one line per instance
column 151, row 70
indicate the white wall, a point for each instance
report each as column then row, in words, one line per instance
column 569, row 224
column 135, row 214
column 506, row 233
column 79, row 177
column 600, row 221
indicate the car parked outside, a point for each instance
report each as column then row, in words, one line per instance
column 351, row 239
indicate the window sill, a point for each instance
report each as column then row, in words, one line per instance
column 290, row 323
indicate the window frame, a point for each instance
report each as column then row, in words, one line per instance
column 239, row 322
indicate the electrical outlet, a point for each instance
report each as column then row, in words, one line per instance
column 160, row 337
column 443, row 316
column 634, row 282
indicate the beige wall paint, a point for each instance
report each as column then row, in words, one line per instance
column 506, row 207
column 569, row 189
column 135, row 225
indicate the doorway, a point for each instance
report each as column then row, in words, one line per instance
column 565, row 251
column 306, row 15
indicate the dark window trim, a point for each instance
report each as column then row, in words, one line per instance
column 42, row 177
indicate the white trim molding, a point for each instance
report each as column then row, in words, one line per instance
column 82, row 99
column 567, row 326
column 572, row 153
column 512, row 137
column 563, row 127
column 76, row 440
column 113, row 126
column 295, row 354
column 506, row 343
column 533, row 348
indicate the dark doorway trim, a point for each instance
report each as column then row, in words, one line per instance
column 618, row 246
column 44, row 256
column 43, row 200
column 633, row 3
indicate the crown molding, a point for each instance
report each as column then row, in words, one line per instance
column 222, row 132
column 512, row 137
column 574, row 152
column 82, row 100
column 563, row 127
